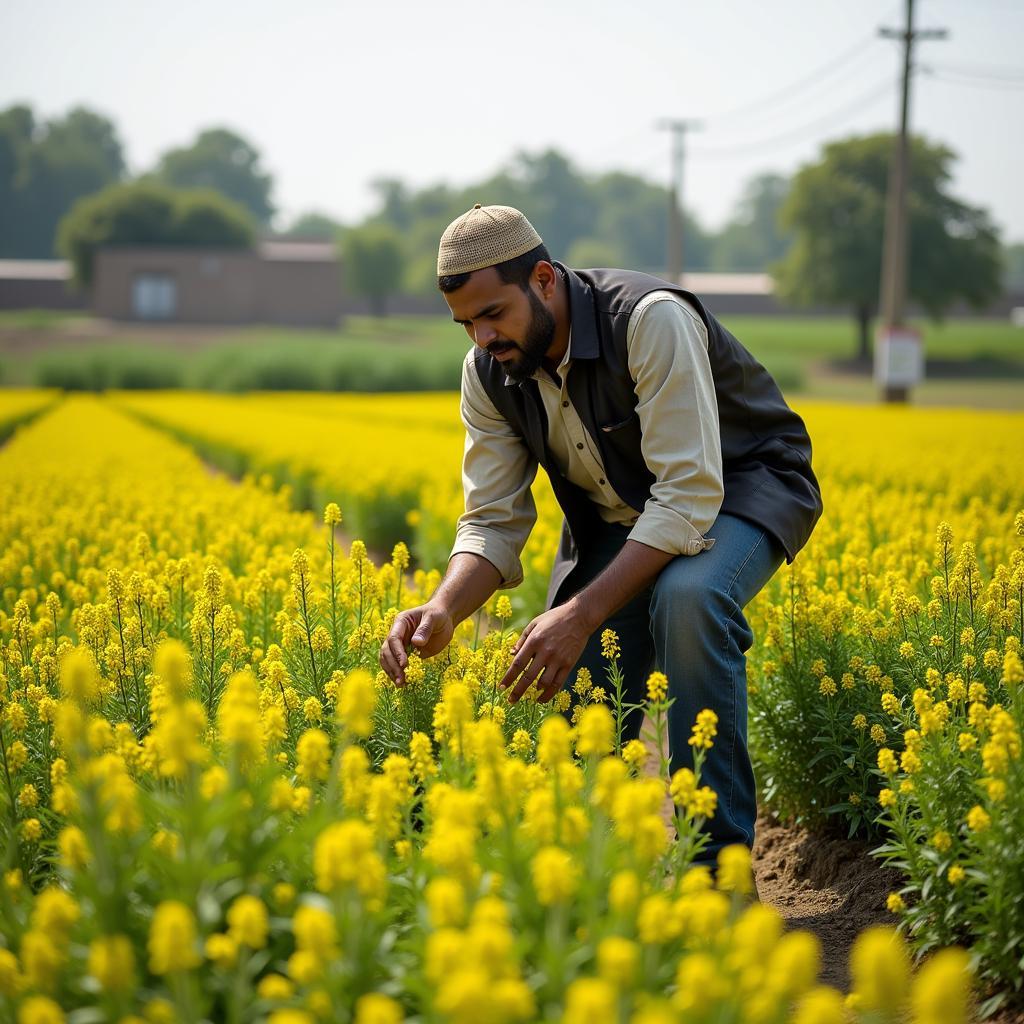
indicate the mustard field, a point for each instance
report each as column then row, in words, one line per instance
column 216, row 807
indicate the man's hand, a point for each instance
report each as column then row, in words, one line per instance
column 428, row 627
column 552, row 643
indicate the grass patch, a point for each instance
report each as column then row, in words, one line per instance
column 40, row 319
column 836, row 338
column 425, row 353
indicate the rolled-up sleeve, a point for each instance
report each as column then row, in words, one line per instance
column 668, row 359
column 497, row 471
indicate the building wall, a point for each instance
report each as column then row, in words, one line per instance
column 218, row 286
column 34, row 294
column 300, row 292
column 38, row 284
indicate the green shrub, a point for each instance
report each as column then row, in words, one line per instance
column 276, row 374
column 71, row 376
column 100, row 369
column 788, row 372
column 146, row 374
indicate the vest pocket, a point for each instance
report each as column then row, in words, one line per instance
column 621, row 442
column 609, row 427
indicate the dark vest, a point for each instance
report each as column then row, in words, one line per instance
column 766, row 453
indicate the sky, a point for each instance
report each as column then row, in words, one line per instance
column 336, row 94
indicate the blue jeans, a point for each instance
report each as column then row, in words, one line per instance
column 690, row 625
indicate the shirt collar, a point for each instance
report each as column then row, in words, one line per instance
column 583, row 340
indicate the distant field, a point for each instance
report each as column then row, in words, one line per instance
column 815, row 337
column 976, row 362
column 39, row 318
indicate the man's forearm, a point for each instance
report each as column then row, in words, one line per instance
column 468, row 583
column 635, row 567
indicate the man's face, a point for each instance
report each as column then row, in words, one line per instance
column 514, row 327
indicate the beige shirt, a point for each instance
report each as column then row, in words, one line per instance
column 667, row 354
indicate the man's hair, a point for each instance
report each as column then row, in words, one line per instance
column 514, row 271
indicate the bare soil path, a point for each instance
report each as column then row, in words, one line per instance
column 832, row 887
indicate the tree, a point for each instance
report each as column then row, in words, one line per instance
column 1013, row 260
column 836, row 209
column 396, row 206
column 633, row 214
column 313, row 226
column 562, row 206
column 753, row 238
column 204, row 217
column 221, row 160
column 373, row 262
column 17, row 125
column 148, row 213
column 92, row 132
column 624, row 214
column 45, row 168
column 593, row 252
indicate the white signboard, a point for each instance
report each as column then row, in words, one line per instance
column 899, row 357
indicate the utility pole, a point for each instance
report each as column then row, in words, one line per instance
column 675, row 261
column 899, row 360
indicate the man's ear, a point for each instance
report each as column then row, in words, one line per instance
column 545, row 277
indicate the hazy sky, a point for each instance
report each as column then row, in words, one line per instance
column 334, row 94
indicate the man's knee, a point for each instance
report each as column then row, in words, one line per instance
column 685, row 599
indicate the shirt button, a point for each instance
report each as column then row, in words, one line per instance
column 601, row 481
column 579, row 444
column 565, row 405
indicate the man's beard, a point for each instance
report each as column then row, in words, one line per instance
column 540, row 333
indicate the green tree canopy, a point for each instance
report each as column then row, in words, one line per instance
column 836, row 210
column 17, row 125
column 593, row 252
column 45, row 168
column 1013, row 259
column 373, row 262
column 221, row 160
column 623, row 212
column 149, row 213
column 633, row 214
column 753, row 239
column 313, row 226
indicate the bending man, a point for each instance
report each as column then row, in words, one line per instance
column 684, row 477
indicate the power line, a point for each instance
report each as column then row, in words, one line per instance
column 1007, row 85
column 619, row 144
column 799, row 86
column 1011, row 7
column 797, row 134
column 841, row 60
column 999, row 72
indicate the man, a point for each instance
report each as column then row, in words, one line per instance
column 684, row 477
